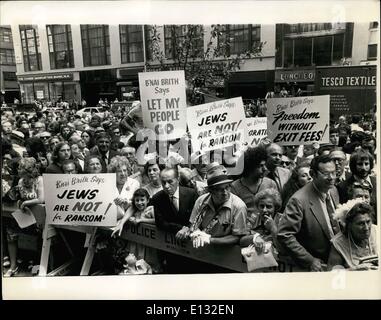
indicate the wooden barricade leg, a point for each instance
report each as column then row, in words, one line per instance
column 48, row 233
column 89, row 254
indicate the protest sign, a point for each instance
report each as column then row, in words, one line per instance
column 163, row 101
column 256, row 130
column 216, row 125
column 80, row 199
column 299, row 120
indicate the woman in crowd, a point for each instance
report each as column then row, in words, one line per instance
column 31, row 192
column 36, row 149
column 300, row 176
column 93, row 164
column 357, row 240
column 88, row 138
column 61, row 153
column 126, row 186
column 152, row 170
column 253, row 178
column 264, row 221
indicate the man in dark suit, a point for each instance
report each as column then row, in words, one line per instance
column 173, row 206
column 273, row 163
column 102, row 149
column 307, row 226
column 361, row 164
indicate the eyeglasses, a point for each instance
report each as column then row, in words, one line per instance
column 339, row 160
column 45, row 137
column 328, row 174
column 285, row 163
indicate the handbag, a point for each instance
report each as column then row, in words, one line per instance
column 257, row 261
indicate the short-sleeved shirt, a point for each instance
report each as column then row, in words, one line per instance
column 230, row 219
column 242, row 191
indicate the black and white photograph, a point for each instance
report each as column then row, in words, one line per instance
column 229, row 148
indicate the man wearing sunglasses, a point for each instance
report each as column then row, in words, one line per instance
column 307, row 225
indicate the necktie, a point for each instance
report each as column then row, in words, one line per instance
column 174, row 203
column 331, row 210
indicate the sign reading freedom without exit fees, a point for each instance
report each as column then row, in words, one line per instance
column 80, row 199
column 298, row 121
column 163, row 100
column 217, row 125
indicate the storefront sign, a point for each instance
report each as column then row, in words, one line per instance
column 163, row 102
column 299, row 120
column 40, row 94
column 306, row 75
column 256, row 130
column 80, row 199
column 216, row 125
column 46, row 77
column 351, row 89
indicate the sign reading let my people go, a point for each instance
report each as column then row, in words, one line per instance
column 80, row 199
column 299, row 120
column 217, row 125
column 163, row 101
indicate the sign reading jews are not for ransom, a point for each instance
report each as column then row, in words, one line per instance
column 299, row 120
column 163, row 101
column 80, row 199
column 216, row 125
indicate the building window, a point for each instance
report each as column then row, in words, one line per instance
column 30, row 48
column 373, row 25
column 131, row 43
column 9, row 76
column 243, row 37
column 7, row 57
column 60, row 46
column 95, row 45
column 5, row 34
column 372, row 51
column 175, row 36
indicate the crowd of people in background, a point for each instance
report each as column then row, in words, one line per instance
column 316, row 204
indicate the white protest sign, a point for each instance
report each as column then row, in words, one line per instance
column 80, row 199
column 256, row 130
column 299, row 120
column 163, row 101
column 216, row 125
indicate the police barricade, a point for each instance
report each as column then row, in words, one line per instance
column 228, row 257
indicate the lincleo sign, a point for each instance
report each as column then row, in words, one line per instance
column 351, row 89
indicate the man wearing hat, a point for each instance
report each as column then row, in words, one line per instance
column 102, row 149
column 218, row 217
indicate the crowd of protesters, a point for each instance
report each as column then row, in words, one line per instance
column 316, row 204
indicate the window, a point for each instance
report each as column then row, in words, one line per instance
column 302, row 52
column 9, row 76
column 176, row 36
column 288, row 53
column 373, row 25
column 242, row 37
column 7, row 57
column 30, row 48
column 95, row 45
column 131, row 43
column 322, row 51
column 372, row 51
column 5, row 34
column 60, row 46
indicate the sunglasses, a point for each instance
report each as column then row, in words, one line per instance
column 45, row 137
column 287, row 163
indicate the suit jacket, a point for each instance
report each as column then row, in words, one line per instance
column 112, row 153
column 281, row 176
column 166, row 215
column 343, row 186
column 303, row 232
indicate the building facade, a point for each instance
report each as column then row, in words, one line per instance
column 74, row 62
column 8, row 80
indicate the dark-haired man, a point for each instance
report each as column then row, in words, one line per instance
column 102, row 149
column 307, row 225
